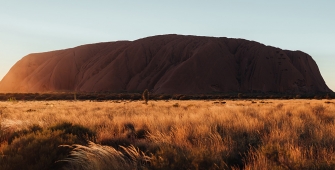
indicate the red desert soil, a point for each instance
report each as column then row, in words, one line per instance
column 167, row 64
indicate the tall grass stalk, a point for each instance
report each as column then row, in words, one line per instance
column 100, row 157
column 242, row 134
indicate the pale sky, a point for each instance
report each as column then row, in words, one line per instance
column 40, row 25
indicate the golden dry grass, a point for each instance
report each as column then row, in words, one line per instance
column 259, row 134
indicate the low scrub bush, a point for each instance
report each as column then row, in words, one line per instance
column 82, row 133
column 38, row 148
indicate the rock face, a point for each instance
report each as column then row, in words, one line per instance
column 168, row 64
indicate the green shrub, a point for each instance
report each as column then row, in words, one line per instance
column 12, row 99
column 145, row 96
column 31, row 129
column 38, row 148
column 176, row 105
column 83, row 134
column 174, row 157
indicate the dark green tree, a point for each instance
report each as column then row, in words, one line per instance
column 145, row 96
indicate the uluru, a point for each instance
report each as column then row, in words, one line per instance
column 168, row 64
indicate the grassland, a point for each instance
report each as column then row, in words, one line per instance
column 210, row 134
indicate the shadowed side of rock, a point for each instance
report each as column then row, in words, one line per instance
column 168, row 64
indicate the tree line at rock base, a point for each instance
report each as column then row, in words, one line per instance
column 102, row 96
